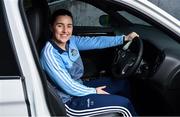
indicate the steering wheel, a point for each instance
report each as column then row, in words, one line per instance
column 125, row 61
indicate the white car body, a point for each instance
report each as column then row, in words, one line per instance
column 35, row 94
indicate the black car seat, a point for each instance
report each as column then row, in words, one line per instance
column 37, row 26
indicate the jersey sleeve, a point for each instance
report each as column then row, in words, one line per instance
column 99, row 42
column 57, row 72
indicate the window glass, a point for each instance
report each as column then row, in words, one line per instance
column 84, row 14
column 133, row 19
column 8, row 65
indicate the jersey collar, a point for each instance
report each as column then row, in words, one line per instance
column 58, row 48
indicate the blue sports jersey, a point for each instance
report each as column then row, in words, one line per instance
column 65, row 68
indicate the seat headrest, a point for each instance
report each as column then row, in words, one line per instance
column 35, row 18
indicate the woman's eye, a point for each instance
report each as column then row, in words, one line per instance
column 59, row 26
column 69, row 26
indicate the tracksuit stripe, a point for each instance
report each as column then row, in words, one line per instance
column 65, row 78
column 97, row 111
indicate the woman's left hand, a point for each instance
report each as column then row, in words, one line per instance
column 131, row 36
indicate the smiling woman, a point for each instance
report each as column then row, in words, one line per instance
column 62, row 27
column 61, row 60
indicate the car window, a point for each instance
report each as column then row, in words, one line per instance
column 89, row 18
column 8, row 64
column 133, row 19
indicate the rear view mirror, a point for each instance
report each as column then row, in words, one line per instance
column 105, row 20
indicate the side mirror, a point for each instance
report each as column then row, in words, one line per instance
column 105, row 20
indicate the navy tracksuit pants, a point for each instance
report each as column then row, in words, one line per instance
column 97, row 104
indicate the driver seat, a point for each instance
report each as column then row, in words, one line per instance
column 37, row 24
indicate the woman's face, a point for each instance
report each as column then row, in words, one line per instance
column 62, row 29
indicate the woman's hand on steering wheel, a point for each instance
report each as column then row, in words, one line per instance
column 131, row 36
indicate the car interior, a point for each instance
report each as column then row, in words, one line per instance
column 155, row 78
